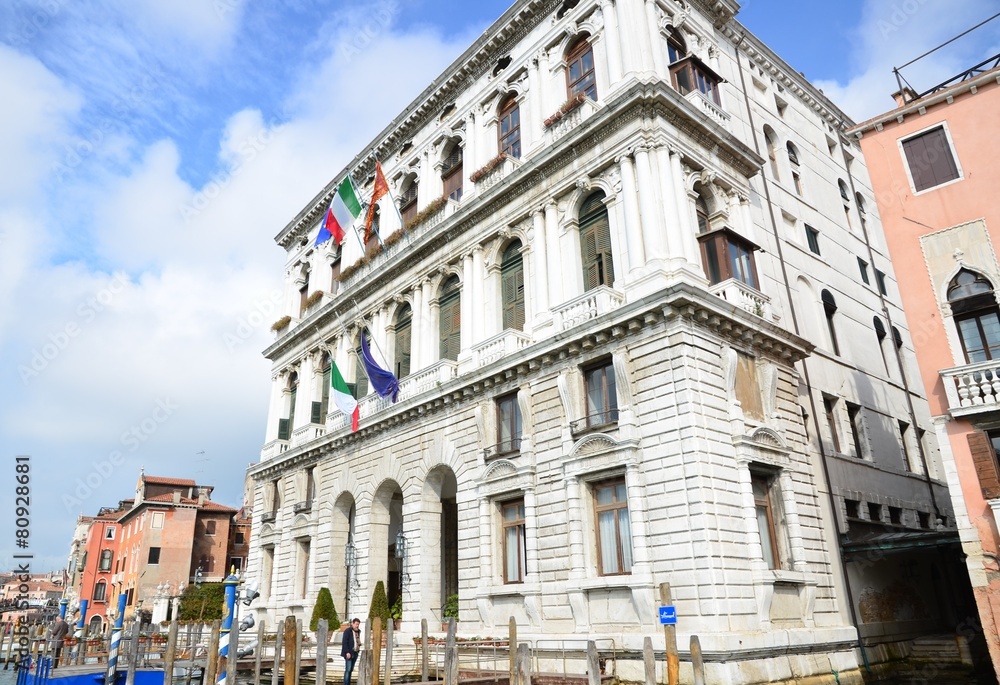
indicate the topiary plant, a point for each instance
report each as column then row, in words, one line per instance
column 324, row 608
column 451, row 607
column 380, row 604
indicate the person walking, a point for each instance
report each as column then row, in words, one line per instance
column 350, row 647
column 57, row 633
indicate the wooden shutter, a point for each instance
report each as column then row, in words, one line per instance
column 283, row 429
column 451, row 324
column 588, row 250
column 930, row 159
column 595, row 243
column 602, row 236
column 512, row 291
column 316, row 412
column 403, row 344
column 984, row 458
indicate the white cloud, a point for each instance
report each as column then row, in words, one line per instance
column 892, row 34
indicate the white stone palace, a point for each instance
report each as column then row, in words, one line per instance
column 646, row 331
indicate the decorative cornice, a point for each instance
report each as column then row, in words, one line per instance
column 681, row 301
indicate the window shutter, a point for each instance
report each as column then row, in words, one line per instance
column 512, row 287
column 985, row 460
column 403, row 343
column 602, row 235
column 595, row 243
column 588, row 249
column 283, row 429
column 451, row 325
column 316, row 415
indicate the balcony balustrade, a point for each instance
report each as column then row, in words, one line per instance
column 499, row 346
column 743, row 296
column 973, row 388
column 588, row 306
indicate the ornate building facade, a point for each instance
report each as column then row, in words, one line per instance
column 630, row 307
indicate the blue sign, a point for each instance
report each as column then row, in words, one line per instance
column 668, row 615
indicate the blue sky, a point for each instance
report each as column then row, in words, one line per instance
column 152, row 150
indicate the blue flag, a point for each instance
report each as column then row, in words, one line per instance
column 383, row 381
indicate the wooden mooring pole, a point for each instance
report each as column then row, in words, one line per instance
column 698, row 661
column 291, row 638
column 259, row 653
column 322, row 637
column 170, row 654
column 212, row 657
column 523, row 665
column 670, row 637
column 450, row 655
column 423, row 650
column 512, row 649
column 376, row 650
column 593, row 664
column 648, row 661
column 279, row 640
column 388, row 652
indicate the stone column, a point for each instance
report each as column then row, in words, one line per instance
column 432, row 350
column 426, row 192
column 614, row 45
column 637, row 517
column 274, row 407
column 624, row 29
column 470, row 155
column 653, row 230
column 574, row 511
column 669, row 198
column 304, row 395
column 533, row 126
column 479, row 302
column 485, row 548
column 686, row 226
column 792, row 524
column 540, row 288
column 531, row 537
column 468, row 288
column 418, row 325
column 633, row 221
column 656, row 44
column 555, row 262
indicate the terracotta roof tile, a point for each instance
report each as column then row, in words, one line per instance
column 163, row 480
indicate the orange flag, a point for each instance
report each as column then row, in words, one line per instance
column 381, row 188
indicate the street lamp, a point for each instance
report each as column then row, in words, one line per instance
column 401, row 555
column 350, row 558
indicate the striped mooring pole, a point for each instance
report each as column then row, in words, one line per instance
column 116, row 638
column 227, row 626
column 78, row 633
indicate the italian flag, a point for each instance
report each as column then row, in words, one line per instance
column 342, row 396
column 344, row 209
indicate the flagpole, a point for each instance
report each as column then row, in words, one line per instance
column 364, row 324
column 391, row 198
column 357, row 191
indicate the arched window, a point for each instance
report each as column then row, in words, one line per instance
column 408, row 201
column 676, row 47
column 595, row 243
column 793, row 153
column 512, row 286
column 509, row 127
column 974, row 306
column 845, row 194
column 285, row 424
column 106, row 557
column 880, row 334
column 580, row 69
column 403, row 330
column 830, row 309
column 450, row 319
column 360, row 377
column 701, row 210
column 319, row 416
column 451, row 172
column 772, row 144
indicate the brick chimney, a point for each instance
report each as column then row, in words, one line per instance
column 177, row 496
column 904, row 97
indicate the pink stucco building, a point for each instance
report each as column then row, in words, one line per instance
column 934, row 167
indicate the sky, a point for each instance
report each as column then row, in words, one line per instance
column 149, row 153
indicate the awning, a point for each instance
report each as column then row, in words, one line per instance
column 904, row 541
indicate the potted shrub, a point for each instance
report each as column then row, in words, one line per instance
column 324, row 608
column 450, row 610
column 396, row 612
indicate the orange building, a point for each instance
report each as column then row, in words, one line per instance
column 173, row 534
column 96, row 567
column 933, row 165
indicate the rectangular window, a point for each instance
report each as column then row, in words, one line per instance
column 690, row 73
column 880, row 280
column 335, row 275
column 105, row 561
column 408, row 203
column 109, row 533
column 857, row 429
column 267, row 573
column 602, row 396
column 514, row 545
column 797, row 182
column 830, row 409
column 614, row 529
column 100, row 592
column 240, row 539
column 157, row 521
column 129, row 596
column 726, row 255
column 310, row 484
column 304, row 552
column 769, row 520
column 895, row 516
column 812, row 238
column 236, row 562
column 925, row 520
column 451, row 174
column 904, row 438
column 508, row 424
column 275, row 497
column 863, row 267
column 580, row 71
column 853, row 508
column 154, row 556
column 875, row 512
column 930, row 159
column 509, row 130
column 209, row 527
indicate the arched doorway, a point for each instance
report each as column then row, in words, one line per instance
column 386, row 525
column 438, row 542
column 343, row 578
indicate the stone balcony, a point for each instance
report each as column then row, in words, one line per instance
column 973, row 388
column 499, row 346
column 743, row 296
column 492, row 177
column 709, row 108
column 588, row 306
column 567, row 122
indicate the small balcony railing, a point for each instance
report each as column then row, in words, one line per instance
column 742, row 295
column 268, row 517
column 596, row 421
column 973, row 388
column 499, row 346
column 504, row 448
column 302, row 507
column 589, row 305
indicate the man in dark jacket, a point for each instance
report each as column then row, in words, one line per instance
column 57, row 633
column 349, row 648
